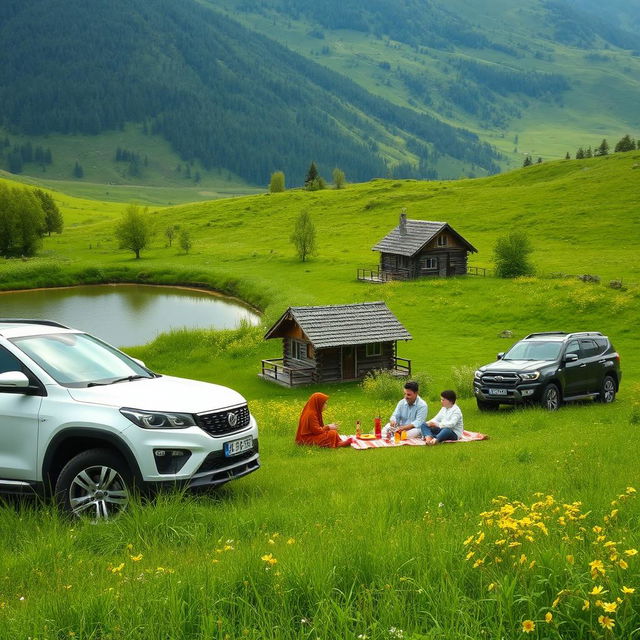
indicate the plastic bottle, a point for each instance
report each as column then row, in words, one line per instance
column 358, row 430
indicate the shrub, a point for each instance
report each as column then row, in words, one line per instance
column 384, row 386
column 511, row 255
column 462, row 377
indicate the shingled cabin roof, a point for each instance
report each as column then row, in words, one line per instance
column 416, row 235
column 343, row 324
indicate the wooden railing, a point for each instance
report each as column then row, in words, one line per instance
column 402, row 366
column 274, row 369
column 375, row 274
column 478, row 271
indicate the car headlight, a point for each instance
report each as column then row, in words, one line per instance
column 478, row 374
column 530, row 376
column 156, row 420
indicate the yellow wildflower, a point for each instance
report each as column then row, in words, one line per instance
column 117, row 569
column 630, row 552
column 291, row 541
column 609, row 607
column 597, row 567
column 586, row 605
column 606, row 622
column 478, row 562
column 630, row 490
column 271, row 541
column 528, row 626
column 548, row 617
column 555, row 603
column 628, row 590
column 532, row 564
column 500, row 542
column 570, row 559
column 470, row 555
column 136, row 558
column 523, row 559
column 622, row 564
column 480, row 538
column 596, row 591
column 492, row 586
column 269, row 559
column 597, row 529
column 515, row 544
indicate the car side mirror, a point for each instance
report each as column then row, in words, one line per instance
column 571, row 357
column 500, row 355
column 14, row 380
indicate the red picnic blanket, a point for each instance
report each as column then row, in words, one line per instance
column 467, row 436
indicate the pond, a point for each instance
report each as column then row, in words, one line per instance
column 128, row 315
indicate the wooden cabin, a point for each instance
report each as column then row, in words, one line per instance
column 335, row 343
column 417, row 248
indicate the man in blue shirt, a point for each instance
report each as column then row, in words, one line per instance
column 409, row 415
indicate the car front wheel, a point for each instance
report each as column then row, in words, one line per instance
column 550, row 399
column 607, row 390
column 95, row 483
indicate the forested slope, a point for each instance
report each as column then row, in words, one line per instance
column 218, row 92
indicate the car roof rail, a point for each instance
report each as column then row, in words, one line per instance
column 584, row 333
column 546, row 333
column 49, row 323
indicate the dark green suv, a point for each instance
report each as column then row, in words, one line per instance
column 550, row 368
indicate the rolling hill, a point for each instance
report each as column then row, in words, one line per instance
column 539, row 78
column 220, row 94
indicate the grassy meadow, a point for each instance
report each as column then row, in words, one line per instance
column 532, row 533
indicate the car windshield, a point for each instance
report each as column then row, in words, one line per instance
column 534, row 350
column 80, row 360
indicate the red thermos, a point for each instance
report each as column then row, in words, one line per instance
column 378, row 427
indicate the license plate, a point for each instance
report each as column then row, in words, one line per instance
column 497, row 392
column 237, row 446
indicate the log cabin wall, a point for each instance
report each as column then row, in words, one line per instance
column 329, row 364
column 385, row 360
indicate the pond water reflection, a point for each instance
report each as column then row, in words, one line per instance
column 127, row 315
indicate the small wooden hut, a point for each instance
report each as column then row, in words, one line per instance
column 417, row 248
column 335, row 343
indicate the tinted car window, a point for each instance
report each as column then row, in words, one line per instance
column 588, row 348
column 8, row 362
column 573, row 347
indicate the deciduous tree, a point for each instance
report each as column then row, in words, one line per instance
column 134, row 231
column 276, row 184
column 338, row 178
column 304, row 236
column 185, row 241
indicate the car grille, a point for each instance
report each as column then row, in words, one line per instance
column 221, row 423
column 503, row 380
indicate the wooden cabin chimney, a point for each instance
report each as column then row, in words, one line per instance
column 403, row 222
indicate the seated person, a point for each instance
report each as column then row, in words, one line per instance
column 447, row 424
column 311, row 427
column 409, row 415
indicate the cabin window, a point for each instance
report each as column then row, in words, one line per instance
column 442, row 240
column 403, row 262
column 427, row 264
column 299, row 350
column 374, row 349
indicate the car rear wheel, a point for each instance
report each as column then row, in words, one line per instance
column 96, row 483
column 607, row 390
column 550, row 399
column 484, row 405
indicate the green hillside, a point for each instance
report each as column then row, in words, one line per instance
column 224, row 97
column 533, row 529
column 539, row 79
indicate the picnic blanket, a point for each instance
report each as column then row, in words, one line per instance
column 467, row 436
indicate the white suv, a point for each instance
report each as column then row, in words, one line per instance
column 82, row 420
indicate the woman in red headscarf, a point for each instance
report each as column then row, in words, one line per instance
column 311, row 427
